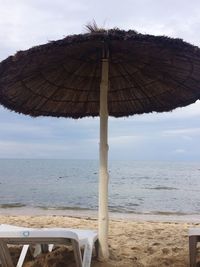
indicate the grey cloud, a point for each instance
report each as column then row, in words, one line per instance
column 186, row 131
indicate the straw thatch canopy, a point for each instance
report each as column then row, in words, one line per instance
column 62, row 78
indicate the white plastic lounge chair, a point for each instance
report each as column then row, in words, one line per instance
column 10, row 234
column 194, row 238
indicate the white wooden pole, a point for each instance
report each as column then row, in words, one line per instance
column 103, row 165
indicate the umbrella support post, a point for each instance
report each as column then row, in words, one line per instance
column 103, row 165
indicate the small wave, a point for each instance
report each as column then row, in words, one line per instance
column 61, row 177
column 162, row 188
column 12, row 205
column 178, row 213
column 122, row 209
column 132, row 204
column 144, row 177
column 61, row 208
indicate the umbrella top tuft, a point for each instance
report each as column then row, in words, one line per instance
column 93, row 28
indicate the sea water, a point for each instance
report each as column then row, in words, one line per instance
column 134, row 186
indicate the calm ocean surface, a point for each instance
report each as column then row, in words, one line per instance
column 135, row 187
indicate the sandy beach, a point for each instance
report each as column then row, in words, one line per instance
column 132, row 243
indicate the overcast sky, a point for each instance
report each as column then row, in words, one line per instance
column 166, row 136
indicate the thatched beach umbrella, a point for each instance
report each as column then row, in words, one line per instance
column 116, row 73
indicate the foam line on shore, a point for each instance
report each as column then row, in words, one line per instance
column 84, row 213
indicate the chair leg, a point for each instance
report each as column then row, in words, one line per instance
column 77, row 254
column 87, row 256
column 96, row 244
column 22, row 256
column 50, row 247
column 193, row 250
column 5, row 255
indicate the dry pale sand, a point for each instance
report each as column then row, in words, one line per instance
column 132, row 244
